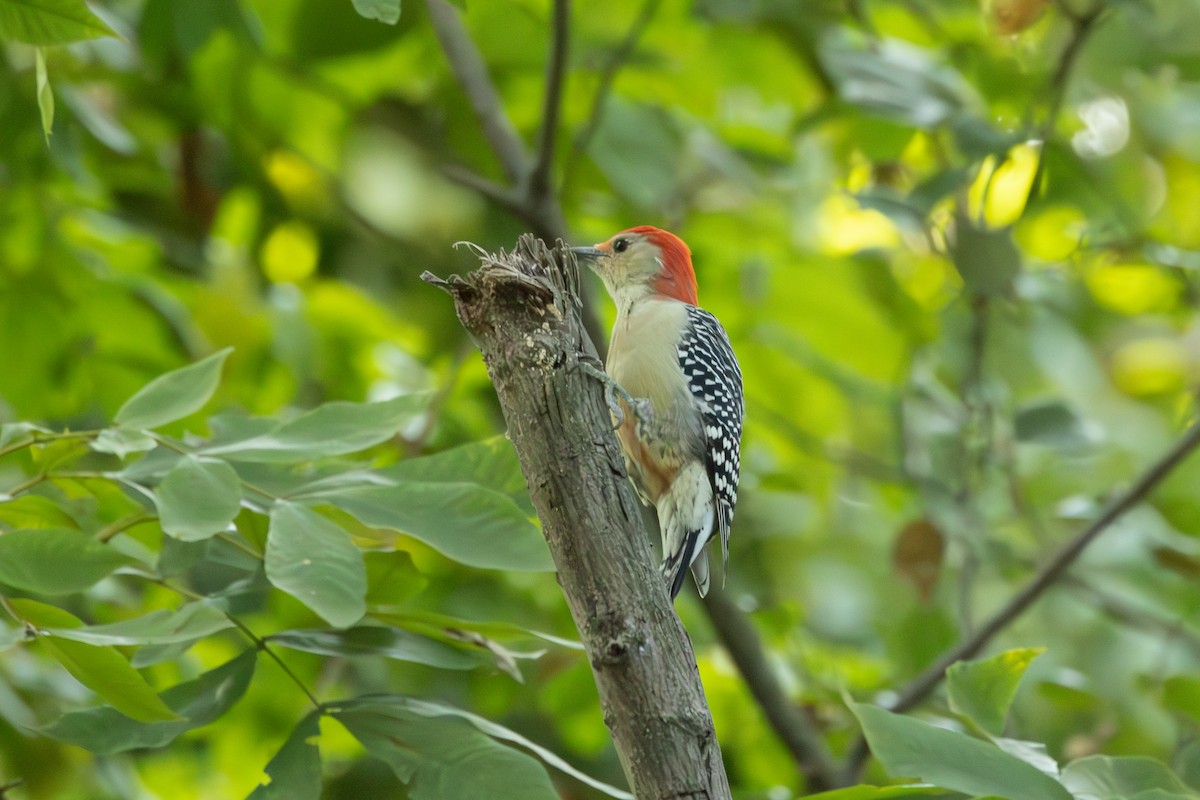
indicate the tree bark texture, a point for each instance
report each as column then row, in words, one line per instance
column 523, row 310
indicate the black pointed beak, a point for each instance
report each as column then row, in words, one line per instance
column 589, row 253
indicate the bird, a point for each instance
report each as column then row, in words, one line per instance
column 682, row 403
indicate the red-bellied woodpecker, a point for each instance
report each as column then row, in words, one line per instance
column 682, row 447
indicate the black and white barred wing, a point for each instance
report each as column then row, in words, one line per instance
column 715, row 379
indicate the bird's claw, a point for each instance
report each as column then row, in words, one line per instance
column 641, row 407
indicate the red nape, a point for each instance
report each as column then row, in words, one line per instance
column 678, row 279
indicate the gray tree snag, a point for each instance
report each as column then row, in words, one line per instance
column 523, row 310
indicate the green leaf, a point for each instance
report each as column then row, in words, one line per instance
column 198, row 498
column 123, row 441
column 418, row 741
column 864, row 792
column 192, row 621
column 987, row 260
column 102, row 669
column 463, row 521
column 45, row 95
column 491, row 463
column 296, row 769
column 1116, row 778
column 387, row 11
column 11, row 635
column 33, row 560
column 638, row 147
column 328, row 430
column 1051, row 423
column 14, row 433
column 1182, row 693
column 894, row 79
column 174, row 395
column 50, row 21
column 427, row 621
column 983, row 690
column 104, row 732
column 314, row 560
column 35, row 511
column 375, row 640
column 908, row 747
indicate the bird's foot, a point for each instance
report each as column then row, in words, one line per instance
column 641, row 406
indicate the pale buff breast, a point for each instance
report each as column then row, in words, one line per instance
column 644, row 359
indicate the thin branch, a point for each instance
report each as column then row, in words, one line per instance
column 498, row 193
column 414, row 445
column 921, row 686
column 794, row 729
column 259, row 643
column 607, row 75
column 1135, row 618
column 556, row 67
column 471, row 73
column 123, row 524
column 1082, row 27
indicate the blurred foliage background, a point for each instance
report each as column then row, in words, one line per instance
column 955, row 246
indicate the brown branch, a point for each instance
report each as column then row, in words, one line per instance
column 523, row 311
column 921, row 686
column 556, row 66
column 471, row 73
column 607, row 75
column 527, row 196
column 1082, row 27
column 790, row 724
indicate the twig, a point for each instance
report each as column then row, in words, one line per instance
column 793, row 728
column 921, row 686
column 123, row 524
column 1082, row 27
column 1136, row 618
column 416, row 443
column 556, row 65
column 471, row 73
column 604, row 88
column 259, row 643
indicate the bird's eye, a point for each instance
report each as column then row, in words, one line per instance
column 621, row 245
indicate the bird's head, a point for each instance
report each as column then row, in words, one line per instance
column 643, row 262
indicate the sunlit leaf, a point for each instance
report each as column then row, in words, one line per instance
column 102, row 669
column 33, row 560
column 173, row 395
column 198, row 498
column 908, row 747
column 50, row 21
column 314, row 560
column 104, row 731
column 295, row 770
column 983, row 690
